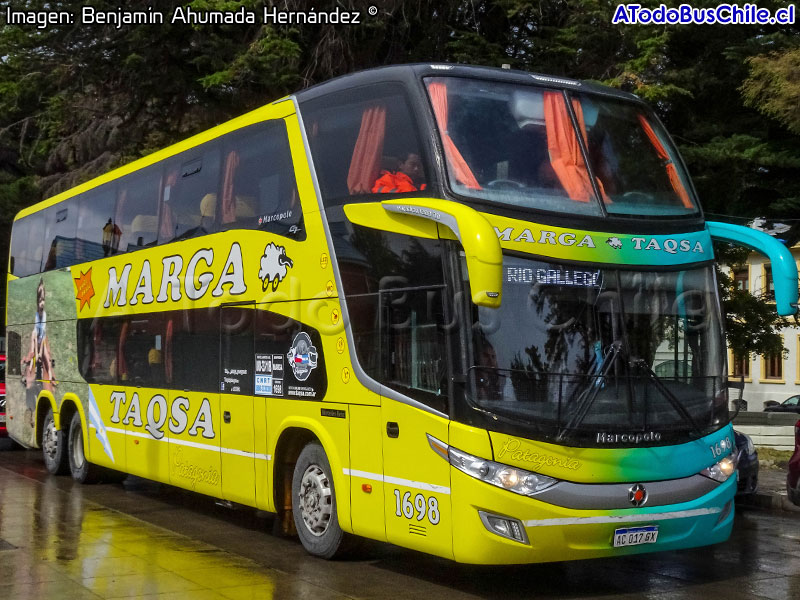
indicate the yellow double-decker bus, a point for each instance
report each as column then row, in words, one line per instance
column 467, row 311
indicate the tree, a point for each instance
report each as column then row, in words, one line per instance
column 751, row 324
column 77, row 100
column 773, row 86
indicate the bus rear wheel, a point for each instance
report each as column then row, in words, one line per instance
column 314, row 504
column 53, row 446
column 82, row 470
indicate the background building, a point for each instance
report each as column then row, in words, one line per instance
column 771, row 377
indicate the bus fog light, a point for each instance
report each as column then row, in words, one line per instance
column 725, row 512
column 504, row 526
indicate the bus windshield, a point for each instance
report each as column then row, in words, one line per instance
column 586, row 354
column 519, row 145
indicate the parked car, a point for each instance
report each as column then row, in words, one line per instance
column 747, row 465
column 793, row 477
column 791, row 404
column 3, row 430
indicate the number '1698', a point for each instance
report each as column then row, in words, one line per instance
column 418, row 508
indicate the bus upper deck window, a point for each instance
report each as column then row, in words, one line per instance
column 365, row 141
column 27, row 245
column 98, row 235
column 61, row 222
column 259, row 189
column 633, row 159
column 136, row 213
column 512, row 144
column 189, row 180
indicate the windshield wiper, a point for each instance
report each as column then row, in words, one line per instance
column 587, row 397
column 671, row 398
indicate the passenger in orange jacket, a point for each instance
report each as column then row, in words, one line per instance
column 409, row 172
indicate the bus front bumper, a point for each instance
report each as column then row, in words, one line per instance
column 553, row 533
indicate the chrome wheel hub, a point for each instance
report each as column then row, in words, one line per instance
column 316, row 500
column 50, row 440
column 77, row 449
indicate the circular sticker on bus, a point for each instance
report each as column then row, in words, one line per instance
column 302, row 356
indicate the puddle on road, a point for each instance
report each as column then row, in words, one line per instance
column 54, row 542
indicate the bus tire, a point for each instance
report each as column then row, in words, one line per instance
column 82, row 470
column 54, row 445
column 314, row 504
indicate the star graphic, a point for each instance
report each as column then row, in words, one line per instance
column 84, row 290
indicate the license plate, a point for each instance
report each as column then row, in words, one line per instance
column 2, row 418
column 634, row 536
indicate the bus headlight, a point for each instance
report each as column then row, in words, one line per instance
column 503, row 476
column 721, row 470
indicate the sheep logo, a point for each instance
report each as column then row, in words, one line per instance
column 274, row 265
column 614, row 242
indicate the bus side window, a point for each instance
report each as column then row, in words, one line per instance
column 31, row 246
column 140, row 351
column 259, row 190
column 136, row 214
column 394, row 289
column 61, row 224
column 18, row 263
column 98, row 343
column 191, row 350
column 188, row 194
column 365, row 141
column 98, row 235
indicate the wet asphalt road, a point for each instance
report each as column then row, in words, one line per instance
column 143, row 540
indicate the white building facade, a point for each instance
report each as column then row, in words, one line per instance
column 766, row 377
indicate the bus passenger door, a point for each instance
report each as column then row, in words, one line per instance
column 237, row 364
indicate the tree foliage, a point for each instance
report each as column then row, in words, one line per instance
column 76, row 100
column 751, row 323
column 773, row 86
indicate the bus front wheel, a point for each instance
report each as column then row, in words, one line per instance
column 53, row 445
column 314, row 504
column 82, row 470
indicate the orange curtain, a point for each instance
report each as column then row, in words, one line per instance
column 564, row 149
column 368, row 151
column 672, row 172
column 456, row 162
column 228, row 199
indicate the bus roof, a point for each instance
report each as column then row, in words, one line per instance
column 401, row 73
column 407, row 73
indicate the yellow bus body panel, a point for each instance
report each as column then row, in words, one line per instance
column 367, row 488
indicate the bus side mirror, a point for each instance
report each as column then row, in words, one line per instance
column 424, row 217
column 784, row 269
